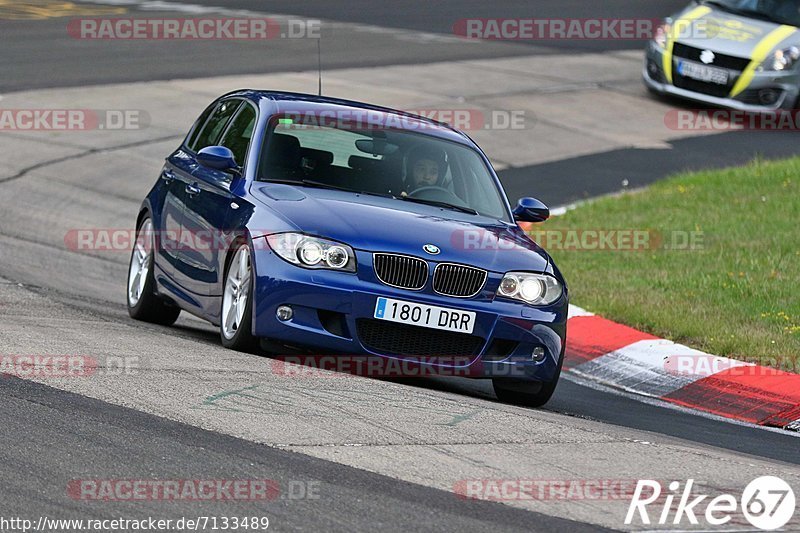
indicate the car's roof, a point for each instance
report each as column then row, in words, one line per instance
column 301, row 103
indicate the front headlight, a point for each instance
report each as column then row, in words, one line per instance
column 782, row 59
column 312, row 252
column 533, row 289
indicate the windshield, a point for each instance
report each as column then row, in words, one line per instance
column 780, row 11
column 405, row 165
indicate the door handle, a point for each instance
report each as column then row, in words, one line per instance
column 168, row 175
column 192, row 189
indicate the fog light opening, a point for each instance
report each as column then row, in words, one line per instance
column 768, row 96
column 284, row 313
column 538, row 354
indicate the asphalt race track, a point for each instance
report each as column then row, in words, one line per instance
column 366, row 37
column 380, row 455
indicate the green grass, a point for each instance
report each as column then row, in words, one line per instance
column 737, row 294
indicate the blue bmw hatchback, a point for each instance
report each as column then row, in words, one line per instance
column 338, row 227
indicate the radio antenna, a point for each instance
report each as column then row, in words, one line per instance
column 319, row 63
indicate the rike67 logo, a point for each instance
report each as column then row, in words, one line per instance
column 767, row 503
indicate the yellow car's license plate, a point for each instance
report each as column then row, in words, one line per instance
column 705, row 73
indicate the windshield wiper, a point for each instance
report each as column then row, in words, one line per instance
column 321, row 185
column 436, row 203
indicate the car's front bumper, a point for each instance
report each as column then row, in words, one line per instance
column 329, row 307
column 784, row 87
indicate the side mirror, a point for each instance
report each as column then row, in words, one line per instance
column 531, row 210
column 218, row 158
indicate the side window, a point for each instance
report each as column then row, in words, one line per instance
column 198, row 126
column 214, row 127
column 238, row 136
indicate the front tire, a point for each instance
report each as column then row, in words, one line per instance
column 527, row 393
column 236, row 317
column 143, row 302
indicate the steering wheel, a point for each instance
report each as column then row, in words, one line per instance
column 436, row 193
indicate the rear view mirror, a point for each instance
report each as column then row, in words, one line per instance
column 531, row 210
column 376, row 147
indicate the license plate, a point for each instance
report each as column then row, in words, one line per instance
column 696, row 71
column 427, row 316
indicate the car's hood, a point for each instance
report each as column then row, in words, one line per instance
column 732, row 34
column 379, row 224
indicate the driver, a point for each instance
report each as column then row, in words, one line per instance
column 426, row 167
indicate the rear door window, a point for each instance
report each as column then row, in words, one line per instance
column 215, row 125
column 198, row 125
column 237, row 137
